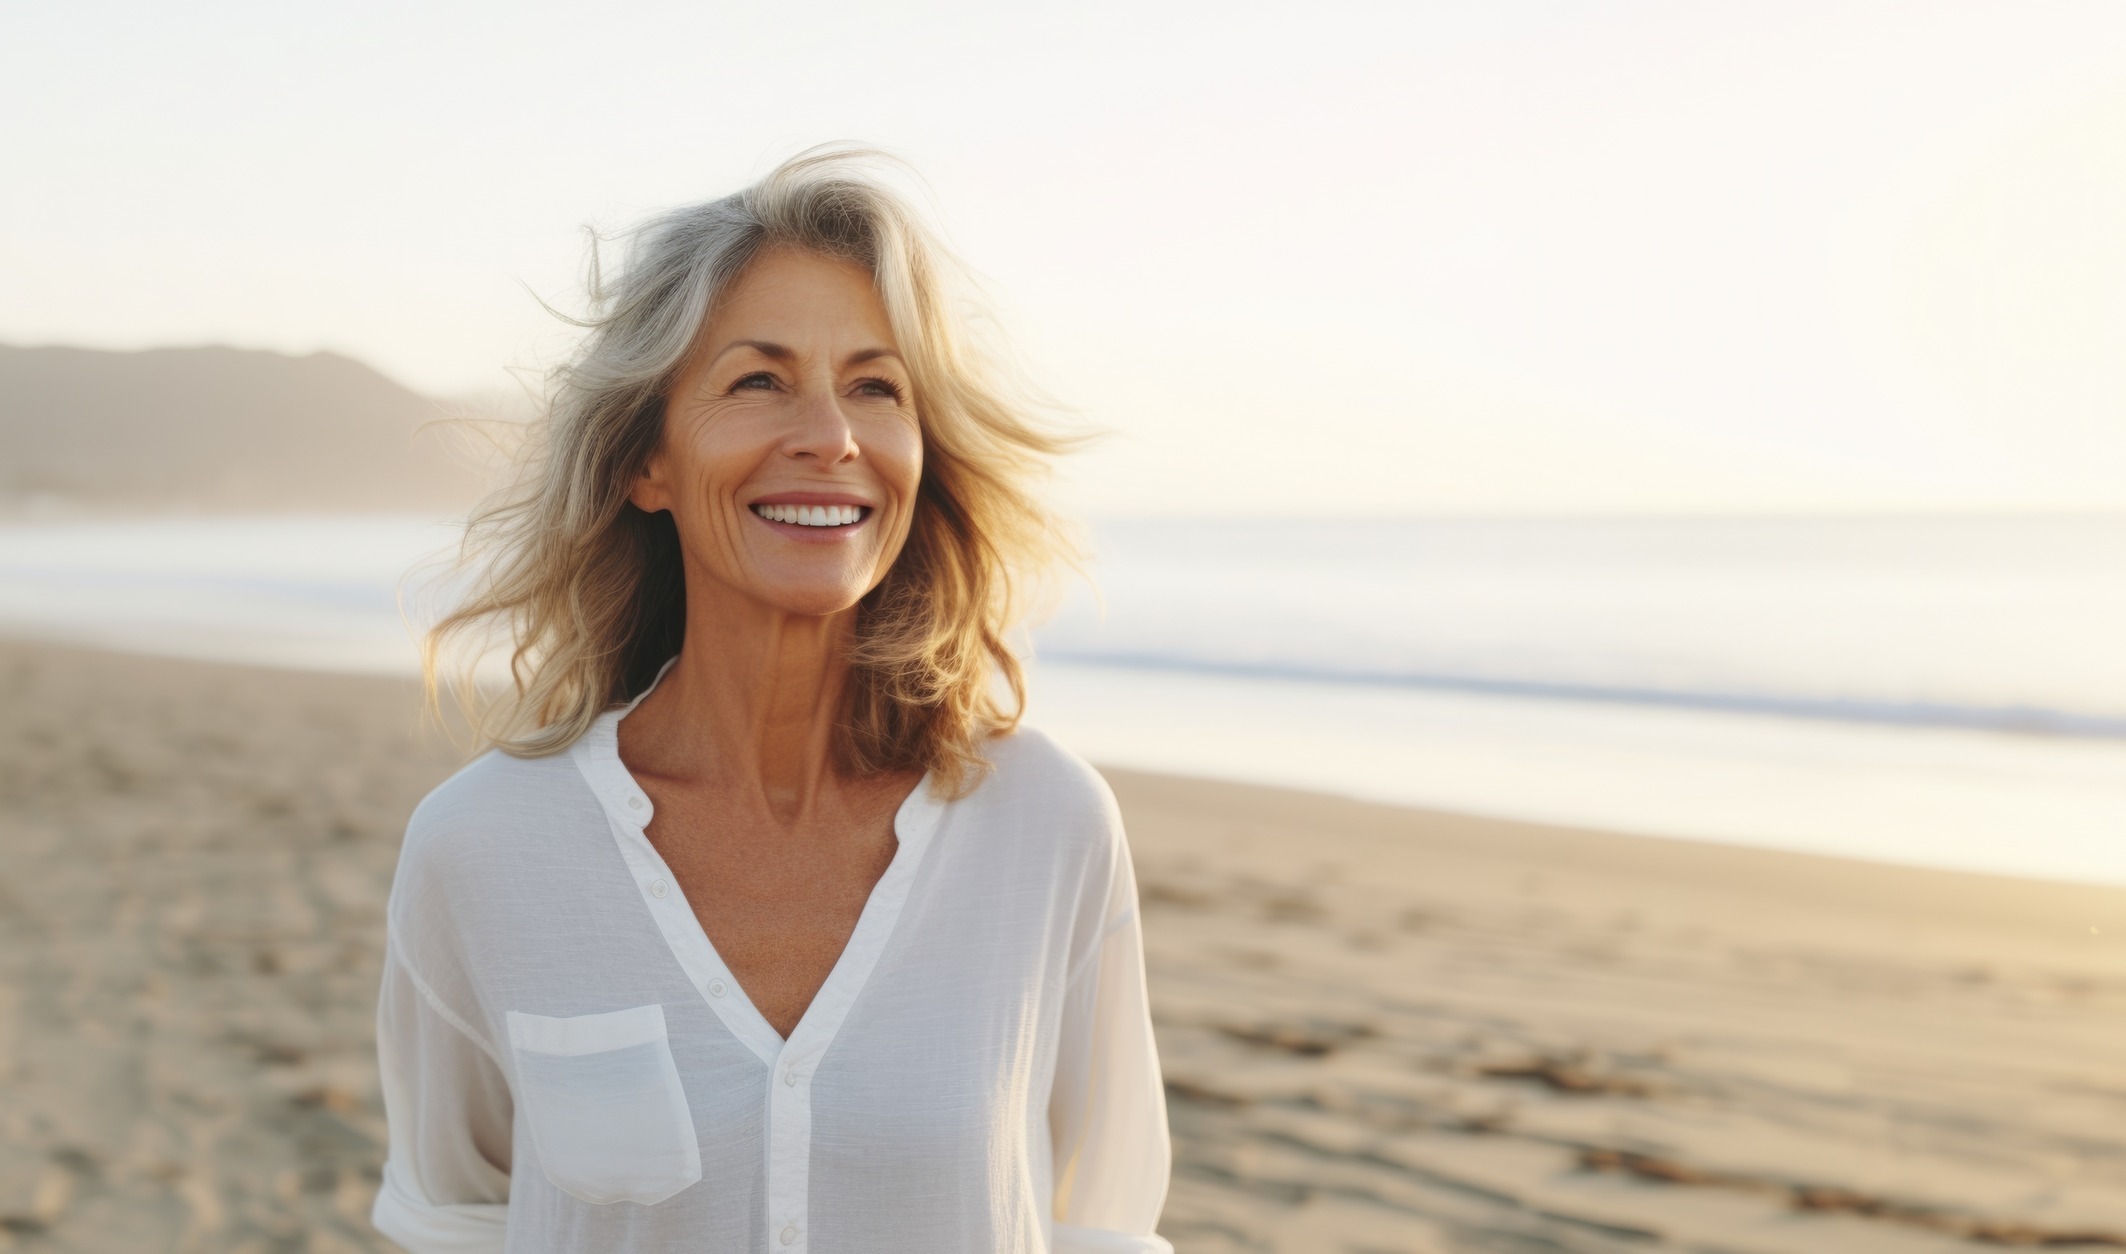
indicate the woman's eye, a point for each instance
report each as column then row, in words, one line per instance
column 880, row 388
column 760, row 379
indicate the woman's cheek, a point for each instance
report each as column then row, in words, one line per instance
column 909, row 459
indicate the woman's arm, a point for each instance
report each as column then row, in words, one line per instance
column 446, row 1182
column 1107, row 1112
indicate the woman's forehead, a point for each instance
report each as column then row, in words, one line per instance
column 795, row 288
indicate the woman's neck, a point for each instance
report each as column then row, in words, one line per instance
column 751, row 705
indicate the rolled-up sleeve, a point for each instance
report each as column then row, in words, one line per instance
column 448, row 1106
column 1107, row 1111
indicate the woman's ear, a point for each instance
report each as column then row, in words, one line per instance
column 650, row 493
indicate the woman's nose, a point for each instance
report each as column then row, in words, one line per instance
column 822, row 430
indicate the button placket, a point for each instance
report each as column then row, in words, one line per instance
column 789, row 1151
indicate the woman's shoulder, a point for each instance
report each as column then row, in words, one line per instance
column 1059, row 821
column 495, row 803
column 1035, row 775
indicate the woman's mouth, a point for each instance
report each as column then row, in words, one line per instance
column 814, row 515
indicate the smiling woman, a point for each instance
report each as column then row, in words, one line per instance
column 763, row 926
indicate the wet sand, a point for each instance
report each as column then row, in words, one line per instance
column 1384, row 1029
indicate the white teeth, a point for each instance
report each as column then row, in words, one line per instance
column 812, row 515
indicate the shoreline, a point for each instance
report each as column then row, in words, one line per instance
column 1383, row 1027
column 296, row 662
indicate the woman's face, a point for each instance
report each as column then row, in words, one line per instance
column 791, row 452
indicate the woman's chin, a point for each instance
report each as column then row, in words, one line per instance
column 811, row 601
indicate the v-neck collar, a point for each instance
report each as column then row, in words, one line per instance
column 628, row 809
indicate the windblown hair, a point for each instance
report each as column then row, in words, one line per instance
column 589, row 591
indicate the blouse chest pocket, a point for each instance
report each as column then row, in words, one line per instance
column 608, row 1116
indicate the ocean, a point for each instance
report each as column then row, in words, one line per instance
column 1937, row 691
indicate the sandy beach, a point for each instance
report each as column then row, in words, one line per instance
column 1384, row 1029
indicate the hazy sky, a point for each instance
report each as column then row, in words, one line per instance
column 1392, row 258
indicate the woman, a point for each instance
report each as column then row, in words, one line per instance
column 765, row 930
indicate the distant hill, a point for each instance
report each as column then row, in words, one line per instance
column 220, row 429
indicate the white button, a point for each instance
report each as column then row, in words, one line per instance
column 716, row 988
column 789, row 1234
column 789, row 1076
column 634, row 803
column 659, row 888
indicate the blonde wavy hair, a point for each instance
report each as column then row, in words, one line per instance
column 587, row 591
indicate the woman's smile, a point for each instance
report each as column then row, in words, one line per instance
column 813, row 517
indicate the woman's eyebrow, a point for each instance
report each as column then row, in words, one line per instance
column 776, row 352
column 782, row 352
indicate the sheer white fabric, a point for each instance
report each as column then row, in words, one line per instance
column 568, row 1065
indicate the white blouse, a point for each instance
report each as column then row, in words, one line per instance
column 568, row 1065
